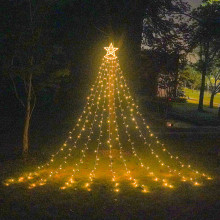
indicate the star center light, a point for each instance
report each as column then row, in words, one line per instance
column 110, row 52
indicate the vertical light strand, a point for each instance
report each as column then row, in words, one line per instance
column 31, row 175
column 152, row 135
column 59, row 169
column 81, row 161
column 84, row 125
column 137, row 127
column 100, row 143
column 142, row 165
column 128, row 172
column 110, row 117
column 92, row 94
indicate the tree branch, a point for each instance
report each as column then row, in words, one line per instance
column 16, row 92
column 106, row 34
column 32, row 109
column 25, row 85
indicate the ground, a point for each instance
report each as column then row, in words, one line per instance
column 182, row 202
column 187, row 112
column 193, row 96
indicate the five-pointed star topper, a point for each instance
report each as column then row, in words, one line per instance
column 110, row 52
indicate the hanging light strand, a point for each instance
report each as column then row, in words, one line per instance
column 83, row 129
column 153, row 136
column 90, row 100
column 81, row 160
column 137, row 127
column 142, row 165
column 128, row 172
column 100, row 143
column 110, row 95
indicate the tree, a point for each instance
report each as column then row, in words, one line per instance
column 171, row 77
column 168, row 40
column 79, row 27
column 192, row 77
column 28, row 52
column 119, row 21
column 206, row 36
column 214, row 79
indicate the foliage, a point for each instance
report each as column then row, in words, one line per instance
column 170, row 34
column 214, row 81
column 206, row 2
column 167, row 83
column 214, row 78
column 29, row 57
column 28, row 49
column 191, row 77
column 206, row 36
column 168, row 40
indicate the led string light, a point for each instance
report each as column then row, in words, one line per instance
column 152, row 135
column 92, row 173
column 68, row 183
column 147, row 168
column 128, row 172
column 30, row 176
column 78, row 137
column 133, row 119
column 80, row 119
column 93, row 115
column 81, row 161
column 89, row 104
column 59, row 169
column 110, row 115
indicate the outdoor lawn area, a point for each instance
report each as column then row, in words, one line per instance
column 184, row 201
column 193, row 96
column 93, row 124
column 188, row 111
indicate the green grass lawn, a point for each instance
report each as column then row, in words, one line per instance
column 184, row 201
column 194, row 96
column 188, row 111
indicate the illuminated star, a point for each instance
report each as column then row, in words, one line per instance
column 110, row 52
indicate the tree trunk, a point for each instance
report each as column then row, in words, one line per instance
column 212, row 100
column 176, row 72
column 27, row 119
column 204, row 70
column 202, row 90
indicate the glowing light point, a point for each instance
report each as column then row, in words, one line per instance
column 21, row 179
column 196, row 184
column 145, row 191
